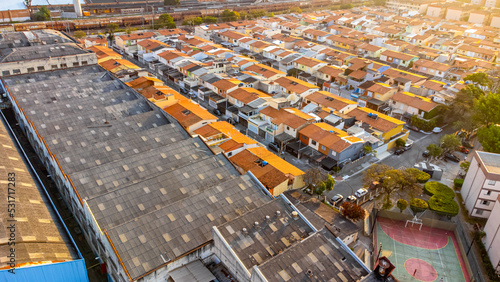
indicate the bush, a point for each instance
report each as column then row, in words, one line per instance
column 443, row 205
column 421, row 176
column 435, row 188
column 458, row 182
column 418, row 205
column 402, row 204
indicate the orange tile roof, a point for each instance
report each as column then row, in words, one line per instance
column 188, row 114
column 139, row 35
column 329, row 100
column 294, row 84
column 276, row 161
column 103, row 52
column 383, row 123
column 264, row 70
column 410, row 99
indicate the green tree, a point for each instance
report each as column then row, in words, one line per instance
column 402, row 205
column 79, row 34
column 326, row 185
column 450, row 142
column 165, row 20
column 43, row 14
column 465, row 166
column 229, row 16
column 353, row 211
column 368, row 149
column 192, row 21
column 460, row 110
column 314, row 177
column 171, row 2
column 479, row 78
column 346, row 6
column 374, row 173
column 489, row 137
column 487, row 109
column 210, row 19
column 111, row 28
column 296, row 9
column 400, row 142
column 434, row 150
column 379, row 2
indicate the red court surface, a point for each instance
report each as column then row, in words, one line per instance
column 434, row 253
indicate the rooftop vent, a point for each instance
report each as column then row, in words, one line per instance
column 268, row 218
column 295, row 214
column 309, row 273
column 245, row 231
column 256, row 224
column 278, row 213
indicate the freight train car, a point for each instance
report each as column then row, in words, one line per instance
column 104, row 22
column 30, row 26
column 133, row 20
column 87, row 24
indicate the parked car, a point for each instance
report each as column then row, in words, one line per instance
column 399, row 151
column 407, row 146
column 217, row 112
column 462, row 149
column 412, row 127
column 184, row 91
column 274, row 147
column 336, row 199
column 426, row 154
column 467, row 144
column 351, row 198
column 451, row 157
column 361, row 192
column 437, row 130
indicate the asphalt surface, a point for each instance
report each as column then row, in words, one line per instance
column 407, row 159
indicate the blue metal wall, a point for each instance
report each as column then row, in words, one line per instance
column 68, row 271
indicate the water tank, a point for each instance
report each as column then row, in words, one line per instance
column 370, row 114
column 264, row 163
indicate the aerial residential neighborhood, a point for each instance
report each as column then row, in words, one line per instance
column 250, row 140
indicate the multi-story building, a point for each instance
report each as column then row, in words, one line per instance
column 407, row 5
column 41, row 50
column 481, row 186
column 492, row 239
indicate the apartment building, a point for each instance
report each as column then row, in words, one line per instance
column 481, row 186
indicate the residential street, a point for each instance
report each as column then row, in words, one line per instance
column 407, row 159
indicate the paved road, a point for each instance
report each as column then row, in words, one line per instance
column 407, row 159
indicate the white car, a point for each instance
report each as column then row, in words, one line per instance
column 361, row 192
column 351, row 198
column 437, row 130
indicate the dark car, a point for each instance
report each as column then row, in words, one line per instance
column 399, row 151
column 462, row 149
column 414, row 128
column 184, row 91
column 467, row 144
column 451, row 157
column 274, row 147
column 426, row 154
column 217, row 112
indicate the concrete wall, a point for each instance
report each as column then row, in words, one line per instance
column 228, row 257
column 492, row 239
column 472, row 189
column 23, row 66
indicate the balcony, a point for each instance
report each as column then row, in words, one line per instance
column 258, row 120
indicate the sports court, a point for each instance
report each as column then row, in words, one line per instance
column 434, row 253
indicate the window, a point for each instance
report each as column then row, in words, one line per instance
column 16, row 71
column 76, row 64
column 84, row 63
column 31, row 69
column 4, row 73
column 303, row 137
column 229, row 154
column 54, row 67
column 64, row 66
column 288, row 128
column 313, row 142
column 487, row 193
column 479, row 212
column 40, row 68
column 492, row 182
column 486, row 203
column 323, row 148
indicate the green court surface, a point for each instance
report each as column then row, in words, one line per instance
column 432, row 252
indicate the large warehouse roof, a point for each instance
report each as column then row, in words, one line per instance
column 154, row 190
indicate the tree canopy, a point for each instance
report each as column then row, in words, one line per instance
column 353, row 211
column 229, row 16
column 43, row 14
column 489, row 137
column 450, row 142
column 434, row 150
column 79, row 34
column 165, row 20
